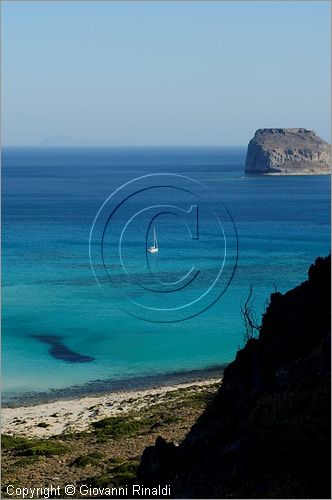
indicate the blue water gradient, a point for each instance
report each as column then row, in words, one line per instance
column 50, row 199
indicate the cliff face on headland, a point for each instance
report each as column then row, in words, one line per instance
column 267, row 432
column 288, row 151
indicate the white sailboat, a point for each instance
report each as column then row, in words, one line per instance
column 154, row 248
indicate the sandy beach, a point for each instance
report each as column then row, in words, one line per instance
column 75, row 415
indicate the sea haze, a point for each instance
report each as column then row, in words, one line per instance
column 60, row 330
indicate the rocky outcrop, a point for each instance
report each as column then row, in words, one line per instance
column 288, row 151
column 267, row 432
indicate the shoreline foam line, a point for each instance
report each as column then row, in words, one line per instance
column 111, row 386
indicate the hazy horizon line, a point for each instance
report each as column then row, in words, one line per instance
column 45, row 146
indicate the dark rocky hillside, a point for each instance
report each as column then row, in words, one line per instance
column 267, row 432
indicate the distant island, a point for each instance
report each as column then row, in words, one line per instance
column 288, row 151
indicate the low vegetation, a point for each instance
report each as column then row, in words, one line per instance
column 119, row 427
column 108, row 453
column 32, row 447
column 122, row 475
column 90, row 459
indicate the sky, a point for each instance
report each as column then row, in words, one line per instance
column 162, row 73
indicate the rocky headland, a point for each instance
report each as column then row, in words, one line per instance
column 288, row 151
column 266, row 434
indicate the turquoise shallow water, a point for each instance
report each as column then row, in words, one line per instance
column 50, row 199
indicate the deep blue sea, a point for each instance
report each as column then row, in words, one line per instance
column 52, row 301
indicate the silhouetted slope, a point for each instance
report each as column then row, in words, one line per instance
column 267, row 432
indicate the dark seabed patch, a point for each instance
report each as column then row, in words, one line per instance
column 59, row 351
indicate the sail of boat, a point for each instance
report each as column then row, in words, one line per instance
column 154, row 248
